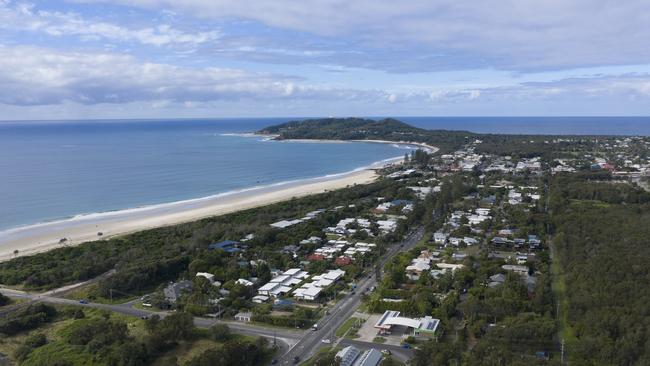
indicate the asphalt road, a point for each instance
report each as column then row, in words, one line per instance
column 284, row 338
column 291, row 343
column 311, row 342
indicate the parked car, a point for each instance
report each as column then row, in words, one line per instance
column 326, row 340
column 83, row 301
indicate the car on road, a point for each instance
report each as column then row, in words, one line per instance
column 83, row 301
column 386, row 352
column 314, row 327
column 326, row 340
column 406, row 345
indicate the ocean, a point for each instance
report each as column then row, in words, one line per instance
column 52, row 170
column 537, row 125
column 56, row 170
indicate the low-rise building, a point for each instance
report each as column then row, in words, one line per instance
column 229, row 246
column 310, row 291
column 439, row 237
column 419, row 326
column 245, row 317
column 175, row 290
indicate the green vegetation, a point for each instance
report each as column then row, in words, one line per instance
column 603, row 252
column 367, row 129
column 347, row 325
column 145, row 260
column 521, row 146
column 324, row 357
column 29, row 318
column 72, row 336
column 300, row 317
column 599, row 227
column 4, row 300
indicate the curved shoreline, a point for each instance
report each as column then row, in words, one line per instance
column 45, row 236
column 40, row 237
column 428, row 148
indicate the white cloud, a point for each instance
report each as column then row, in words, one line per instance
column 38, row 76
column 24, row 17
column 443, row 34
column 34, row 77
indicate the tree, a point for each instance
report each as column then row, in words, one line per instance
column 4, row 300
column 176, row 327
column 220, row 332
column 33, row 341
column 263, row 273
column 327, row 359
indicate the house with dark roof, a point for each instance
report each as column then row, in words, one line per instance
column 175, row 290
column 229, row 246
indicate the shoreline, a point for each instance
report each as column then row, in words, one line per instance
column 428, row 148
column 41, row 237
column 44, row 236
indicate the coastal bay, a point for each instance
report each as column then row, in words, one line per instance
column 45, row 236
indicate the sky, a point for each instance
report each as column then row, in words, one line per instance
column 83, row 59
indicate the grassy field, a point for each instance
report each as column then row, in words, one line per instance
column 566, row 333
column 185, row 351
column 89, row 293
column 347, row 325
column 322, row 353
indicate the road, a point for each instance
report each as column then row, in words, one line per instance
column 291, row 343
column 311, row 342
column 284, row 338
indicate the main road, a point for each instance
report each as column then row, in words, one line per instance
column 291, row 343
column 311, row 342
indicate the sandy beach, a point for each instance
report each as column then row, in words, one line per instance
column 41, row 237
column 45, row 236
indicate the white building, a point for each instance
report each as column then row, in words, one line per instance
column 311, row 290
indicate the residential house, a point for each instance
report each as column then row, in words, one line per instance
column 440, row 237
column 245, row 317
column 175, row 290
column 229, row 246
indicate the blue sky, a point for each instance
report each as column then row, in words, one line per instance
column 214, row 58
